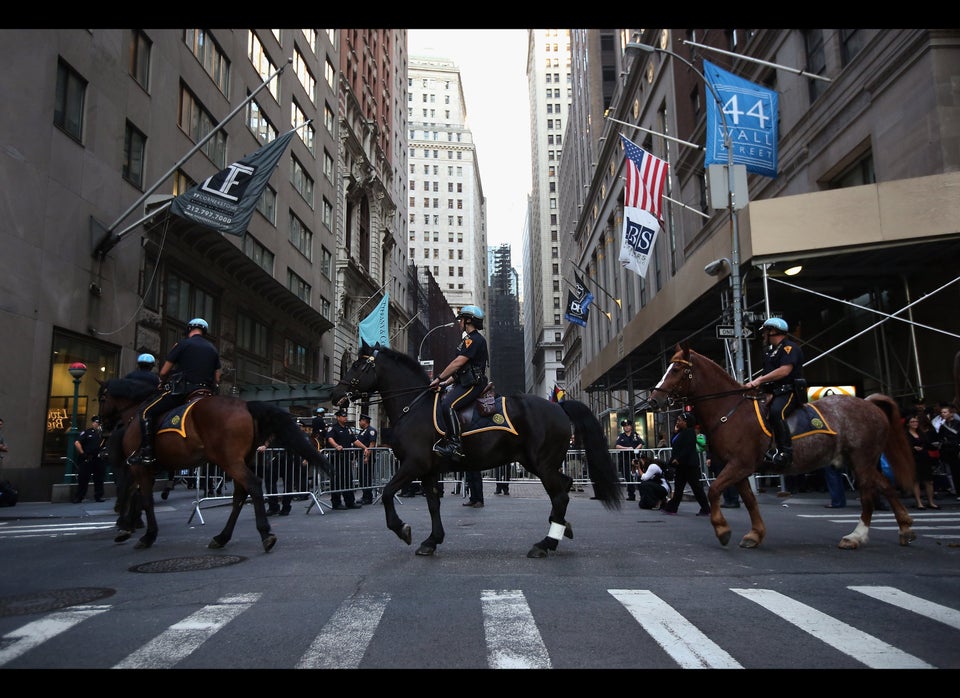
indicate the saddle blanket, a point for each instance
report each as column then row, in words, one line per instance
column 174, row 420
column 474, row 423
column 804, row 421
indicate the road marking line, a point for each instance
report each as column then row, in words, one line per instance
column 28, row 636
column 901, row 599
column 344, row 638
column 513, row 640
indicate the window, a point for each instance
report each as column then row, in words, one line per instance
column 185, row 301
column 301, row 236
column 328, row 166
column 326, row 213
column 140, row 46
column 311, row 37
column 134, row 151
column 294, row 357
column 258, row 253
column 197, row 123
column 259, row 124
column 210, row 56
column 329, row 119
column 299, row 287
column 262, row 64
column 816, row 61
column 307, row 133
column 330, row 74
column 267, row 204
column 304, row 76
column 326, row 262
column 301, row 181
column 251, row 335
column 71, row 92
column 851, row 41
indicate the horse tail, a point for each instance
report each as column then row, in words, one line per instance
column 603, row 474
column 897, row 448
column 286, row 433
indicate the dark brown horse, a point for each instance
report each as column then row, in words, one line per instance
column 846, row 431
column 525, row 429
column 214, row 429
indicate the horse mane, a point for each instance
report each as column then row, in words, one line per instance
column 128, row 389
column 405, row 361
column 707, row 364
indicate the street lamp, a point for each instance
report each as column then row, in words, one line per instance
column 432, row 330
column 735, row 246
column 76, row 370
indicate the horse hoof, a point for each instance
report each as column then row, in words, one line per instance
column 426, row 551
column 724, row 538
column 269, row 542
column 749, row 543
column 568, row 531
column 123, row 536
column 406, row 534
column 536, row 553
column 907, row 538
column 848, row 544
column 215, row 544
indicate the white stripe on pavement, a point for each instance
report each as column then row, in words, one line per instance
column 678, row 637
column 865, row 648
column 344, row 638
column 28, row 636
column 513, row 641
column 182, row 638
column 901, row 599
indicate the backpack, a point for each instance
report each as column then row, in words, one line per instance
column 8, row 494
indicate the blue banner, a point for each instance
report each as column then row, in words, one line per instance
column 375, row 329
column 751, row 113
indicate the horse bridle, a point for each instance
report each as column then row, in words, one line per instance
column 369, row 364
column 675, row 395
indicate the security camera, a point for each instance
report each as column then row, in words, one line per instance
column 715, row 267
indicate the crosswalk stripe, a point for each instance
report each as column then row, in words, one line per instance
column 678, row 637
column 513, row 640
column 344, row 639
column 865, row 648
column 901, row 599
column 182, row 638
column 35, row 633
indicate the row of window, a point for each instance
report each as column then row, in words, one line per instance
column 435, row 135
column 436, row 153
column 436, row 186
column 436, row 221
column 436, row 203
column 451, row 170
column 451, row 254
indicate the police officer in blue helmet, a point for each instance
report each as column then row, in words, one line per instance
column 782, row 368
column 198, row 369
column 467, row 376
column 143, row 373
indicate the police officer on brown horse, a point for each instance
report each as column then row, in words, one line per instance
column 198, row 367
column 782, row 367
column 468, row 373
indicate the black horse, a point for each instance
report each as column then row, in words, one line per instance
column 525, row 429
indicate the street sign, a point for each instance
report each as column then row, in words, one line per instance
column 729, row 332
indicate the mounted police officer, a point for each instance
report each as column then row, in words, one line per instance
column 198, row 368
column 467, row 372
column 143, row 373
column 782, row 368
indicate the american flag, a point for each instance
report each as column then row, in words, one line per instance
column 646, row 178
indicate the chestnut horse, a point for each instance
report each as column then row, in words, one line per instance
column 847, row 431
column 526, row 429
column 215, row 429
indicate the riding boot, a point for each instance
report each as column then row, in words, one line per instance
column 145, row 457
column 781, row 433
column 450, row 447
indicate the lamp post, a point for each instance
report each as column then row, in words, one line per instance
column 735, row 245
column 76, row 370
column 432, row 330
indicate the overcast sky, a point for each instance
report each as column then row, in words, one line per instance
column 492, row 66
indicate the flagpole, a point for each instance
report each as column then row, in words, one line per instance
column 657, row 133
column 605, row 291
column 405, row 326
column 109, row 240
column 370, row 299
column 594, row 304
column 760, row 61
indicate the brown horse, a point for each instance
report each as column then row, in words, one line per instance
column 214, row 429
column 845, row 431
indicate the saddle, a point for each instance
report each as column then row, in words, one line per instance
column 805, row 420
column 486, row 412
column 174, row 420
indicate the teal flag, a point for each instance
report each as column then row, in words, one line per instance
column 375, row 328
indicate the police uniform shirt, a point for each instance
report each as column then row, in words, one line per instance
column 342, row 435
column 474, row 347
column 197, row 359
column 787, row 353
column 368, row 437
column 632, row 440
column 90, row 441
column 143, row 376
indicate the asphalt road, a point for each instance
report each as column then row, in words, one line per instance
column 632, row 590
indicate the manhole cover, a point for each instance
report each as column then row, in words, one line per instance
column 44, row 601
column 188, row 564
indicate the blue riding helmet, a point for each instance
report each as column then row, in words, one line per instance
column 146, row 359
column 775, row 323
column 473, row 313
column 198, row 323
